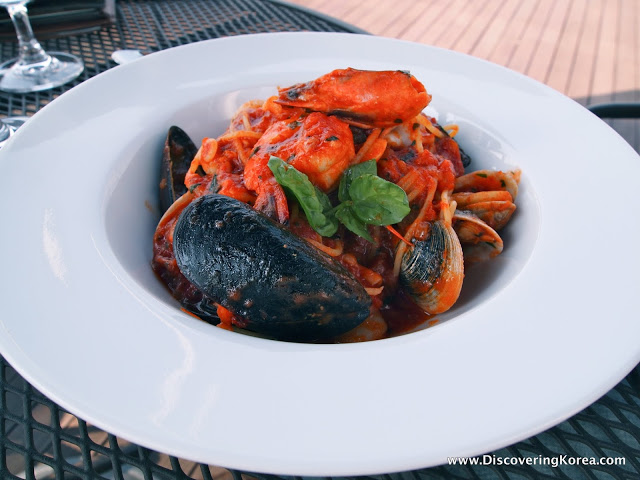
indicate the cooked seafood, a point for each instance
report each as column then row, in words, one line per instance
column 479, row 240
column 487, row 181
column 432, row 271
column 177, row 155
column 355, row 94
column 254, row 267
column 485, row 204
column 166, row 268
column 317, row 145
column 333, row 211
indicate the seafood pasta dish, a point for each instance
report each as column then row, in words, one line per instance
column 334, row 211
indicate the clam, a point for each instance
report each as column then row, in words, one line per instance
column 496, row 214
column 488, row 195
column 277, row 282
column 488, row 180
column 433, row 270
column 463, row 199
column 479, row 241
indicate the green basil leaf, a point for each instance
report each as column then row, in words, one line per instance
column 344, row 213
column 314, row 202
column 377, row 201
column 370, row 167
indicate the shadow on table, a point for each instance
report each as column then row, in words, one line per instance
column 628, row 128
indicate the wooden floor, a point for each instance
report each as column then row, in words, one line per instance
column 586, row 49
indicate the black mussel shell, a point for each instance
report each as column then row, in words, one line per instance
column 278, row 282
column 177, row 155
column 466, row 159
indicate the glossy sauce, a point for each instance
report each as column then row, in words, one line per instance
column 403, row 316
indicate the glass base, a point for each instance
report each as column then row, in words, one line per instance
column 8, row 126
column 25, row 78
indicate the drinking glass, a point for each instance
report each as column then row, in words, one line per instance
column 34, row 69
column 8, row 126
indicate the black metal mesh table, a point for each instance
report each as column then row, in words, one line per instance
column 39, row 439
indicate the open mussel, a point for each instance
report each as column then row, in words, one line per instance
column 277, row 282
column 177, row 155
column 164, row 266
column 464, row 157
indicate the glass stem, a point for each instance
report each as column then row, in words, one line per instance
column 30, row 51
column 5, row 132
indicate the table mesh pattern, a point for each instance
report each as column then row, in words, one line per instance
column 40, row 440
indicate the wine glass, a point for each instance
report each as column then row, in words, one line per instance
column 8, row 126
column 34, row 69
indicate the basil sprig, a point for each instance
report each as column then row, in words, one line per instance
column 368, row 199
column 314, row 202
column 365, row 199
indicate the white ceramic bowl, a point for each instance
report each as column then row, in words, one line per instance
column 539, row 333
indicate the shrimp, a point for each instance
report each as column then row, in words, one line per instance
column 378, row 99
column 317, row 145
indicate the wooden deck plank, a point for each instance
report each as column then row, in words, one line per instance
column 637, row 77
column 581, row 79
column 603, row 73
column 365, row 16
column 627, row 58
column 626, row 70
column 506, row 47
column 586, row 49
column 378, row 19
column 413, row 15
column 564, row 60
column 461, row 23
column 543, row 56
column 494, row 34
column 335, row 8
column 636, row 47
column 432, row 30
column 531, row 36
column 523, row 35
column 416, row 31
column 478, row 28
